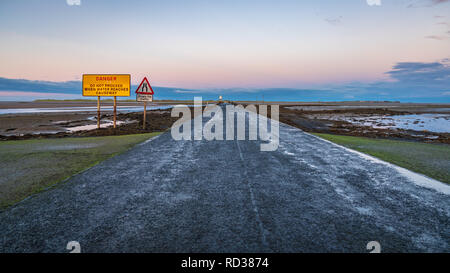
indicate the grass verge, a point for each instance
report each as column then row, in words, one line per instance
column 432, row 160
column 30, row 166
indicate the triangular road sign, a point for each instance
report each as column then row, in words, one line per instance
column 145, row 88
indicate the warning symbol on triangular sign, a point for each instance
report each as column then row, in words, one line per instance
column 145, row 88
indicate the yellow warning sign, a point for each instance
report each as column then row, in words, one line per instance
column 106, row 85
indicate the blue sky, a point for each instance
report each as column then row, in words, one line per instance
column 398, row 49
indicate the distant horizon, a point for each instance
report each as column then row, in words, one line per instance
column 30, row 90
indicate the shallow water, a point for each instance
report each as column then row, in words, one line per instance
column 391, row 107
column 338, row 107
column 438, row 123
column 120, row 109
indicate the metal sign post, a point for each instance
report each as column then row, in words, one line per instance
column 98, row 112
column 115, row 111
column 109, row 85
column 144, row 93
column 145, row 114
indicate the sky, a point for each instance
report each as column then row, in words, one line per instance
column 391, row 48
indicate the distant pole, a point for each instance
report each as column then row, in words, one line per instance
column 145, row 114
column 115, row 111
column 98, row 112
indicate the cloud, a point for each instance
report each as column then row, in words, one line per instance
column 408, row 81
column 421, row 73
column 426, row 3
column 21, row 89
column 73, row 2
column 435, row 37
column 436, row 2
column 37, row 95
column 374, row 2
column 39, row 86
column 440, row 23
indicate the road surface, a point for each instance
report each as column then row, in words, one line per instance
column 227, row 196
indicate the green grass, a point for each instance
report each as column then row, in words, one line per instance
column 432, row 160
column 30, row 166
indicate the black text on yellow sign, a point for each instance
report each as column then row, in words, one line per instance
column 111, row 85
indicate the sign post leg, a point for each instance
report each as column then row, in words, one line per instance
column 115, row 111
column 145, row 114
column 98, row 112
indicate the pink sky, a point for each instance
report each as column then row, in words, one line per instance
column 219, row 45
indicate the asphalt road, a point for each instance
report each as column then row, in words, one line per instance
column 228, row 196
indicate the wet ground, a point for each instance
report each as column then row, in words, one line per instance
column 76, row 125
column 406, row 124
column 416, row 122
column 439, row 123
